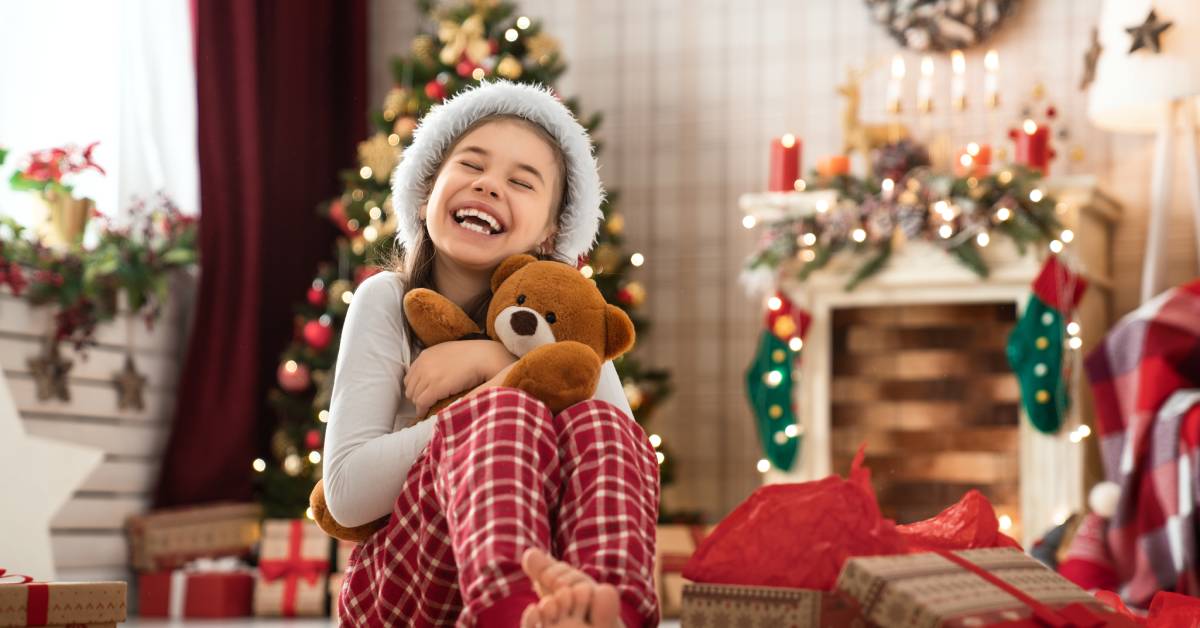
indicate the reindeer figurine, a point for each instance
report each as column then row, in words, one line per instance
column 857, row 136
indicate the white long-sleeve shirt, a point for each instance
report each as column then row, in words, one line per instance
column 368, row 449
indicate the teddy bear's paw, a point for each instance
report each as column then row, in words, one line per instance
column 435, row 318
column 330, row 526
column 560, row 374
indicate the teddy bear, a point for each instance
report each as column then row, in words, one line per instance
column 547, row 314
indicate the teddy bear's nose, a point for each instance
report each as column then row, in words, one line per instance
column 524, row 323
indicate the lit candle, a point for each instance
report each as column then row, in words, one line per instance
column 1033, row 147
column 991, row 80
column 785, row 163
column 925, row 86
column 895, row 86
column 974, row 160
column 958, row 81
column 834, row 165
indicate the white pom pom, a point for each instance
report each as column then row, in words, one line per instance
column 1103, row 499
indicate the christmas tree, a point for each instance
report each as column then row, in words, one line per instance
column 480, row 40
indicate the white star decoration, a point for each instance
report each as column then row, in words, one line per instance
column 38, row 476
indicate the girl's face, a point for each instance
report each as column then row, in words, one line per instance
column 492, row 196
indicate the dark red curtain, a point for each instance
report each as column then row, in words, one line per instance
column 281, row 90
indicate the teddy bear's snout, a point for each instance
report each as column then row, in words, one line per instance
column 524, row 323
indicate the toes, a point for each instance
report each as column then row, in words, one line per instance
column 530, row 618
column 605, row 606
column 581, row 598
column 548, row 609
column 536, row 563
column 566, row 602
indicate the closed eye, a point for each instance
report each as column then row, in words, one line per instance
column 522, row 184
column 472, row 166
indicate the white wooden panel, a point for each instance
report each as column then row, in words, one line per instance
column 94, row 574
column 144, row 441
column 124, row 477
column 161, row 370
column 90, row 400
column 89, row 550
column 18, row 317
column 95, row 513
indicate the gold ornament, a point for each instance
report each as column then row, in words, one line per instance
column 509, row 68
column 775, row 411
column 50, row 372
column 634, row 394
column 467, row 37
column 785, row 326
column 394, row 103
column 404, row 127
column 637, row 293
column 615, row 224
column 541, row 46
column 1042, row 342
column 337, row 302
column 129, row 383
column 606, row 257
column 422, row 47
column 1043, row 396
column 379, row 155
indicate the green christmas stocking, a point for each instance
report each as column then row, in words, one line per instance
column 769, row 388
column 1035, row 347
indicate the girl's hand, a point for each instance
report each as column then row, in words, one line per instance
column 452, row 367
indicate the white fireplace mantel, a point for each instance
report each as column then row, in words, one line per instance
column 1052, row 468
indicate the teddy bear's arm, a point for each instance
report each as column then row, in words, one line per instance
column 435, row 318
column 561, row 374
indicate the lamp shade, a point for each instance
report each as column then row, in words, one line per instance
column 1131, row 90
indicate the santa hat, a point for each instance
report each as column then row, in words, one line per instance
column 580, row 218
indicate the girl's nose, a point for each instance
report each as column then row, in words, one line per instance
column 486, row 188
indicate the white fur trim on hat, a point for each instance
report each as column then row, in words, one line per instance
column 581, row 214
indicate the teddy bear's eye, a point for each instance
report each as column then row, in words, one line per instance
column 520, row 299
column 551, row 318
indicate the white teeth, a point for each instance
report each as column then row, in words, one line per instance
column 474, row 227
column 470, row 211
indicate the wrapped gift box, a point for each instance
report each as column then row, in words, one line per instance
column 62, row 603
column 202, row 589
column 166, row 539
column 344, row 549
column 706, row 605
column 293, row 567
column 981, row 587
column 675, row 546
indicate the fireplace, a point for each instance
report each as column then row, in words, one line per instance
column 912, row 363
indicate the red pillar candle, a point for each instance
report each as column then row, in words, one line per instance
column 785, row 163
column 1033, row 146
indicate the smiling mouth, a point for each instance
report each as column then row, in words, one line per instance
column 478, row 221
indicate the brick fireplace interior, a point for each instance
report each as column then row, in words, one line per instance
column 927, row 387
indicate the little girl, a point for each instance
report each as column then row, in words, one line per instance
column 500, row 512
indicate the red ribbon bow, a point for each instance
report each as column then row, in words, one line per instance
column 37, row 607
column 293, row 568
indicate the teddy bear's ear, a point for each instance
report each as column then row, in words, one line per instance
column 508, row 267
column 619, row 334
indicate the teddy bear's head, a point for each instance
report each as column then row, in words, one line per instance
column 538, row 302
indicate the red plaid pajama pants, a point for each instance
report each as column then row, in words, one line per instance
column 500, row 475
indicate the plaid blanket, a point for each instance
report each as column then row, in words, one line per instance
column 1145, row 377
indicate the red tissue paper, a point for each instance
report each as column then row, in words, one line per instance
column 1167, row 610
column 799, row 535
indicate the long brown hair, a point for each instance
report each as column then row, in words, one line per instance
column 416, row 268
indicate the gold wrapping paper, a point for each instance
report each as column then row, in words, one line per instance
column 166, row 539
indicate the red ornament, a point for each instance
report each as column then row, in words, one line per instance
column 316, row 294
column 464, row 68
column 312, row 440
column 624, row 296
column 317, row 334
column 493, row 46
column 293, row 376
column 1051, row 111
column 435, row 90
column 337, row 213
column 363, row 272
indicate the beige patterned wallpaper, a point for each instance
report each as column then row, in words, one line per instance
column 692, row 93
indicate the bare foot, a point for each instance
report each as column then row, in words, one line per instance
column 570, row 598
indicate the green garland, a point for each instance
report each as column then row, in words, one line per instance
column 82, row 284
column 950, row 212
